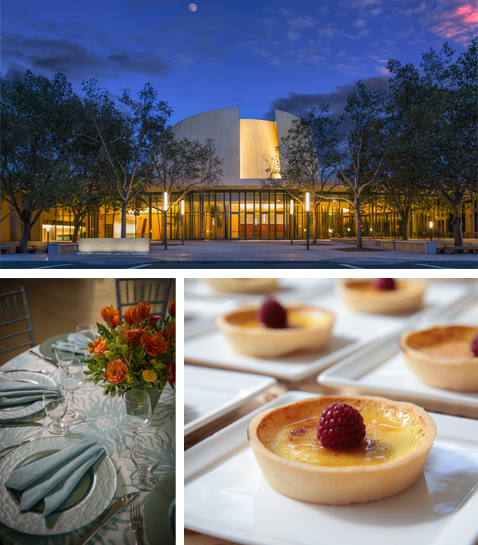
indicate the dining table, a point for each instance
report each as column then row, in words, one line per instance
column 248, row 511
column 102, row 424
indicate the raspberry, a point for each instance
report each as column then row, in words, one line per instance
column 474, row 345
column 340, row 426
column 384, row 284
column 272, row 314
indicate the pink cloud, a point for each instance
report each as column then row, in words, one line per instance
column 458, row 24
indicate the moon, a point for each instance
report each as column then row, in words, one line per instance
column 192, row 7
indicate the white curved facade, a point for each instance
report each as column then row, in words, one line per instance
column 241, row 143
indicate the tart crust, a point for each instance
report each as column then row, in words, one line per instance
column 360, row 296
column 263, row 342
column 344, row 484
column 243, row 285
column 439, row 368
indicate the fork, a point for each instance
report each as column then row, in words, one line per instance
column 136, row 521
column 33, row 438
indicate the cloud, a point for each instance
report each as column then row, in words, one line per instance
column 297, row 103
column 52, row 55
column 457, row 23
column 360, row 23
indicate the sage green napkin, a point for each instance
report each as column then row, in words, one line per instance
column 28, row 475
column 14, row 392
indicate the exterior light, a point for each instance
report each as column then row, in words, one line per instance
column 182, row 207
column 307, row 201
column 291, row 207
column 431, row 225
column 307, row 210
column 165, row 210
column 348, row 228
column 182, row 222
column 165, row 201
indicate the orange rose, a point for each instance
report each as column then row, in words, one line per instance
column 171, row 368
column 143, row 309
column 156, row 344
column 171, row 331
column 172, row 308
column 99, row 345
column 132, row 335
column 116, row 371
column 92, row 349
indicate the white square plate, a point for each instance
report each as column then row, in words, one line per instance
column 226, row 496
column 380, row 369
column 211, row 393
column 352, row 330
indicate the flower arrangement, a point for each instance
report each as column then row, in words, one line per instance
column 137, row 351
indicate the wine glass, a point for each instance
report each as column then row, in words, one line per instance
column 55, row 405
column 71, row 379
column 85, row 333
column 64, row 353
column 136, row 416
column 147, row 452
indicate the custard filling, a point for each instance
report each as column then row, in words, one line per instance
column 367, row 286
column 295, row 318
column 388, row 437
column 449, row 349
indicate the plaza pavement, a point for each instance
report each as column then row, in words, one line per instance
column 254, row 254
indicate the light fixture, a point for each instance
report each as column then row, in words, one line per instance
column 307, row 201
column 165, row 201
column 431, row 225
column 291, row 207
column 182, row 207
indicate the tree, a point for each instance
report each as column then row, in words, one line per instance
column 447, row 124
column 356, row 142
column 128, row 139
column 305, row 166
column 181, row 166
column 39, row 125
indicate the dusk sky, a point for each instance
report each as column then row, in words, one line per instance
column 252, row 54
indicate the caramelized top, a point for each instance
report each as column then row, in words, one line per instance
column 295, row 318
column 390, row 434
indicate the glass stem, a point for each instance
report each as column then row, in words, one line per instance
column 73, row 412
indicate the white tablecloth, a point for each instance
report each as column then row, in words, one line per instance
column 103, row 424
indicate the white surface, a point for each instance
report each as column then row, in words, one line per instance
column 87, row 509
column 211, row 393
column 380, row 369
column 225, row 496
column 351, row 331
column 11, row 413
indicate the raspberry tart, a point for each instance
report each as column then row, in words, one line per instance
column 243, row 285
column 382, row 295
column 443, row 356
column 288, row 444
column 272, row 330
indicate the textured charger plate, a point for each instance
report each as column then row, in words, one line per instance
column 19, row 411
column 156, row 511
column 88, row 499
column 226, row 496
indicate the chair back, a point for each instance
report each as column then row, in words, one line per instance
column 15, row 323
column 156, row 291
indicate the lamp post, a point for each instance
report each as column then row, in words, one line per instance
column 431, row 230
column 48, row 227
column 307, row 210
column 182, row 221
column 165, row 209
column 291, row 209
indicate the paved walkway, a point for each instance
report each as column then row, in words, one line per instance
column 246, row 254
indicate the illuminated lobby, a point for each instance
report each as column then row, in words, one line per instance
column 240, row 207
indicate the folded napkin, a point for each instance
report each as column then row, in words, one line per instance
column 14, row 392
column 71, row 340
column 54, row 477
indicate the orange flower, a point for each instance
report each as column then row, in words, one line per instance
column 132, row 334
column 143, row 309
column 116, row 371
column 171, row 368
column 155, row 344
column 171, row 331
column 129, row 318
column 99, row 346
column 116, row 320
column 108, row 313
column 172, row 308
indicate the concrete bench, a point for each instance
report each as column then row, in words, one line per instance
column 56, row 248
column 113, row 245
column 453, row 249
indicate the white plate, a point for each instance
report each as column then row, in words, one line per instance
column 211, row 393
column 89, row 499
column 352, row 330
column 226, row 496
column 380, row 369
column 9, row 413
